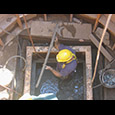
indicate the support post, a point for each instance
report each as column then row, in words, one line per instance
column 96, row 22
column 113, row 47
column 19, row 21
column 71, row 16
column 45, row 17
column 1, row 42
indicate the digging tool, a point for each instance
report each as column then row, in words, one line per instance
column 57, row 30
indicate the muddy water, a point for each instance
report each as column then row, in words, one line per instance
column 70, row 89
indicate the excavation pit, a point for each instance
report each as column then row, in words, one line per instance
column 78, row 87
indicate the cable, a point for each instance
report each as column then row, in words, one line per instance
column 15, row 57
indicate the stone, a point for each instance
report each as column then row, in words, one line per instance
column 99, row 32
column 71, row 30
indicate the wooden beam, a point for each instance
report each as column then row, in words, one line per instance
column 1, row 42
column 45, row 17
column 19, row 21
column 113, row 47
column 100, row 44
column 71, row 16
column 103, row 50
column 96, row 22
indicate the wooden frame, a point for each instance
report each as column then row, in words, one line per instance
column 1, row 42
column 19, row 21
column 96, row 22
column 45, row 17
column 88, row 66
column 71, row 17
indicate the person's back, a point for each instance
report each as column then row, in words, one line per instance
column 69, row 67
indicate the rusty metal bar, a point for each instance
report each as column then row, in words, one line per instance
column 71, row 16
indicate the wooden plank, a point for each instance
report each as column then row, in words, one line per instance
column 91, row 16
column 96, row 22
column 113, row 47
column 27, row 16
column 45, row 17
column 100, row 45
column 71, row 17
column 9, row 21
column 103, row 50
column 1, row 42
column 111, row 26
column 19, row 21
column 16, row 32
column 102, row 20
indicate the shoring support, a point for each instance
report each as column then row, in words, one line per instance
column 96, row 22
column 71, row 16
column 19, row 21
column 1, row 42
column 100, row 44
column 45, row 17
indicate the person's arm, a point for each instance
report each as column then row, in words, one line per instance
column 56, row 73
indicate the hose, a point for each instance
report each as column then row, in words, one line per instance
column 15, row 57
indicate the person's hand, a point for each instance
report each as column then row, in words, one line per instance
column 48, row 67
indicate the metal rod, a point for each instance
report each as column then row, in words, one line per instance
column 99, row 48
column 46, row 59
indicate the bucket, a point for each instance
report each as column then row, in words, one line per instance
column 6, row 77
column 108, row 78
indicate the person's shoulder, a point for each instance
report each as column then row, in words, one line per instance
column 72, row 63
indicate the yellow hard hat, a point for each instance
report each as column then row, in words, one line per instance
column 64, row 55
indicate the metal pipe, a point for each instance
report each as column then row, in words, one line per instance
column 46, row 59
column 15, row 57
